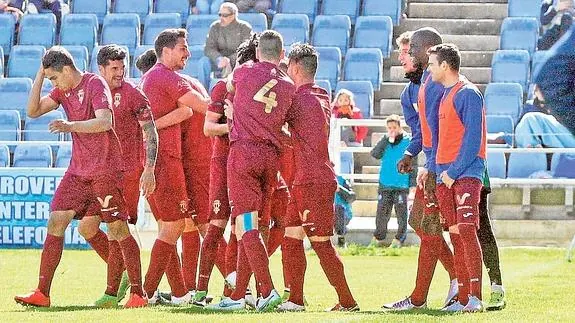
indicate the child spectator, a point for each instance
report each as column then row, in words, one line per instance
column 393, row 186
column 344, row 196
column 343, row 106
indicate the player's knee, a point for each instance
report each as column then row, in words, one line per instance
column 171, row 231
column 189, row 225
column 59, row 221
column 319, row 238
column 295, row 233
column 454, row 229
column 246, row 222
column 118, row 230
column 219, row 223
column 88, row 227
column 203, row 228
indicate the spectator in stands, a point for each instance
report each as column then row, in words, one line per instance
column 10, row 6
column 561, row 21
column 344, row 197
column 257, row 5
column 393, row 186
column 57, row 7
column 224, row 37
column 537, row 128
column 343, row 106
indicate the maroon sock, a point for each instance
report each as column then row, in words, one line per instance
column 159, row 259
column 333, row 269
column 232, row 255
column 208, row 255
column 426, row 263
column 243, row 273
column 473, row 256
column 51, row 255
column 220, row 260
column 190, row 256
column 275, row 240
column 115, row 268
column 294, row 266
column 133, row 264
column 99, row 242
column 174, row 275
column 460, row 268
column 446, row 258
column 259, row 262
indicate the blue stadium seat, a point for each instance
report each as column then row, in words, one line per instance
column 155, row 23
column 341, row 7
column 24, row 60
column 36, row 129
column 497, row 124
column 329, row 64
column 332, row 31
column 98, row 7
column 206, row 7
column 37, row 30
column 196, row 52
column 140, row 7
column 122, row 29
column 537, row 58
column 198, row 28
column 14, row 93
column 308, row 7
column 94, row 61
column 374, row 32
column 7, row 28
column 80, row 55
column 46, row 88
column 293, row 27
column 363, row 95
column 135, row 73
column 364, row 64
column 496, row 164
column 9, row 125
column 521, row 165
column 259, row 21
column 199, row 68
column 326, row 85
column 63, row 156
column 4, row 156
column 1, row 62
column 178, row 6
column 504, row 99
column 562, row 165
column 519, row 33
column 391, row 8
column 79, row 29
column 33, row 155
column 524, row 8
column 510, row 66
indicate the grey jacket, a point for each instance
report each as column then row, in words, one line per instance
column 223, row 41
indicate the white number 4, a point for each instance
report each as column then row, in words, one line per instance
column 270, row 99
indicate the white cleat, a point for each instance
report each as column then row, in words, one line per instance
column 474, row 305
column 228, row 305
column 153, row 300
column 288, row 306
column 182, row 301
column 250, row 299
column 452, row 293
column 403, row 305
column 268, row 303
column 455, row 307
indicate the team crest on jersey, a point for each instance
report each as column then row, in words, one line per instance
column 81, row 96
column 183, row 206
column 117, row 99
column 216, row 206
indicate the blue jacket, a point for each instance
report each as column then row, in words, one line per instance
column 390, row 155
column 409, row 107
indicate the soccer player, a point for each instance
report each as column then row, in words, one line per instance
column 461, row 166
column 132, row 117
column 426, row 223
column 262, row 98
column 94, row 173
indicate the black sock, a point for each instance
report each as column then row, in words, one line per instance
column 488, row 242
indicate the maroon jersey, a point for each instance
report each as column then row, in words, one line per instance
column 262, row 98
column 218, row 96
column 309, row 127
column 93, row 154
column 130, row 107
column 164, row 87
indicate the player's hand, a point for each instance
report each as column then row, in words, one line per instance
column 147, row 182
column 229, row 109
column 404, row 166
column 448, row 181
column 421, row 177
column 60, row 126
column 41, row 74
column 429, row 186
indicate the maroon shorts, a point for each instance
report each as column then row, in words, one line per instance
column 131, row 190
column 101, row 195
column 312, row 206
column 286, row 165
column 279, row 203
column 198, row 191
column 252, row 172
column 169, row 202
column 219, row 202
column 460, row 204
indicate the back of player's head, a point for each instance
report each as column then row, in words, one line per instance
column 111, row 53
column 247, row 50
column 56, row 58
column 404, row 38
column 168, row 38
column 270, row 45
column 306, row 56
column 427, row 37
column 145, row 61
column 448, row 53
column 393, row 118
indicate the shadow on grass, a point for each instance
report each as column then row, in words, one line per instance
column 199, row 310
column 71, row 308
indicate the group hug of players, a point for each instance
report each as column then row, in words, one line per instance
column 254, row 153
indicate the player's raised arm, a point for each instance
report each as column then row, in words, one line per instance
column 38, row 106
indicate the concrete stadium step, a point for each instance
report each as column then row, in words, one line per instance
column 392, row 90
column 452, row 26
column 365, row 208
column 476, row 75
column 469, row 57
column 388, row 106
column 360, row 231
column 533, row 232
column 458, row 10
column 366, row 191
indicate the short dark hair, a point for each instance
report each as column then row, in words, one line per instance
column 429, row 36
column 168, row 38
column 448, row 53
column 306, row 56
column 270, row 44
column 111, row 53
column 145, row 61
column 247, row 49
column 56, row 58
